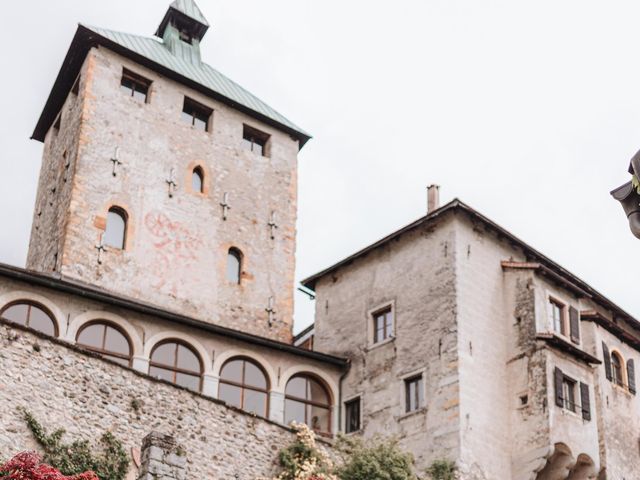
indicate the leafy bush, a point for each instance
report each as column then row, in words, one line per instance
column 442, row 470
column 111, row 463
column 378, row 460
column 27, row 466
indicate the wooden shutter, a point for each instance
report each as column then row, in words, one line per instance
column 631, row 375
column 558, row 379
column 607, row 361
column 574, row 325
column 586, row 401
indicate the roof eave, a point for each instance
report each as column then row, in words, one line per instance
column 85, row 39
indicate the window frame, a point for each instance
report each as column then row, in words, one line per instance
column 32, row 304
column 564, row 311
column 118, row 210
column 196, row 107
column 372, row 316
column 351, row 401
column 243, row 386
column 615, row 354
column 254, row 136
column 238, row 255
column 174, row 369
column 138, row 81
column 199, row 171
column 569, row 388
column 102, row 351
column 420, row 392
column 306, row 402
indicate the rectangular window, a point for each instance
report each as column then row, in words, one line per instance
column 352, row 416
column 382, row 325
column 196, row 114
column 558, row 314
column 414, row 388
column 186, row 37
column 569, row 394
column 254, row 140
column 133, row 85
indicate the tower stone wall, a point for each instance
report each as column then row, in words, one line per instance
column 176, row 248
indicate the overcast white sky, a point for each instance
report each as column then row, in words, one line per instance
column 528, row 111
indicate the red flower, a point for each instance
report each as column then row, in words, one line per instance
column 28, row 466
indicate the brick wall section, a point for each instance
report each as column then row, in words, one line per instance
column 415, row 274
column 177, row 247
column 87, row 396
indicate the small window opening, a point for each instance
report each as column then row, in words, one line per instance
column 234, row 265
column 254, row 140
column 352, row 416
column 558, row 314
column 197, row 180
column 569, row 394
column 414, row 390
column 382, row 325
column 115, row 234
column 135, row 86
column 76, row 86
column 186, row 37
column 196, row 114
column 616, row 368
column 524, row 400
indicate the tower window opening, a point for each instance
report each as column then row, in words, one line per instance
column 186, row 37
column 197, row 180
column 234, row 265
column 254, row 140
column 196, row 114
column 115, row 235
column 135, row 86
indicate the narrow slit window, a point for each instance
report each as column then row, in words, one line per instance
column 234, row 265
column 57, row 124
column 197, row 180
column 133, row 85
column 196, row 114
column 115, row 235
column 254, row 140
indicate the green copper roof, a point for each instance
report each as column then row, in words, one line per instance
column 190, row 9
column 152, row 53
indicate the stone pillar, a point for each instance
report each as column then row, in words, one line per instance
column 162, row 458
column 210, row 385
column 141, row 364
column 276, row 407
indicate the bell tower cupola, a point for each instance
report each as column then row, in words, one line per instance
column 182, row 30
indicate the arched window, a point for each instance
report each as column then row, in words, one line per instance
column 115, row 235
column 307, row 401
column 32, row 316
column 616, row 369
column 234, row 265
column 107, row 340
column 177, row 363
column 244, row 384
column 197, row 180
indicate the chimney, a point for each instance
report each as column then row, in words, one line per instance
column 433, row 198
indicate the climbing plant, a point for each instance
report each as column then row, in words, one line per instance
column 109, row 463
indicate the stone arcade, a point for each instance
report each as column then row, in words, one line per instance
column 158, row 297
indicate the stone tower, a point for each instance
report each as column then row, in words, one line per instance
column 165, row 181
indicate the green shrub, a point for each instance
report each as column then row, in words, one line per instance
column 442, row 470
column 376, row 460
